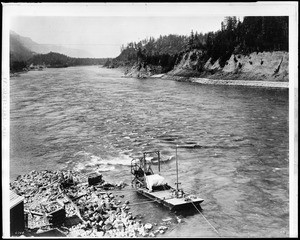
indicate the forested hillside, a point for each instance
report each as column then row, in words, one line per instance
column 252, row 34
column 162, row 51
column 53, row 59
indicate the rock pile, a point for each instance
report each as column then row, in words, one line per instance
column 98, row 211
column 104, row 214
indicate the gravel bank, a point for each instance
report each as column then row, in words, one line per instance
column 250, row 83
column 267, row 84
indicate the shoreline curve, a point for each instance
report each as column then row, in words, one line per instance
column 250, row 83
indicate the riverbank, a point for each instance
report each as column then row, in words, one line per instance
column 26, row 70
column 250, row 83
column 262, row 69
column 242, row 83
column 17, row 74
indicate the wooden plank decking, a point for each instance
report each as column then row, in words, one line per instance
column 166, row 198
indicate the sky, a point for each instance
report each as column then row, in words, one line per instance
column 102, row 28
column 104, row 36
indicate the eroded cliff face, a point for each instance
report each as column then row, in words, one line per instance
column 140, row 70
column 191, row 65
column 269, row 66
column 265, row 66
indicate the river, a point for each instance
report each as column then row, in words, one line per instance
column 232, row 142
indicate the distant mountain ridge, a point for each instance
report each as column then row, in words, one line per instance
column 25, row 47
column 25, row 54
column 18, row 51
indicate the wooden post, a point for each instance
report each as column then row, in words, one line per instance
column 144, row 163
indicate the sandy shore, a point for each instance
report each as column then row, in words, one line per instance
column 250, row 83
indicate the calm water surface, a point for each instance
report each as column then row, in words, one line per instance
column 233, row 142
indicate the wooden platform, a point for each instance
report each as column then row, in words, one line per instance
column 166, row 198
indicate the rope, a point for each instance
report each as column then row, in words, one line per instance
column 205, row 219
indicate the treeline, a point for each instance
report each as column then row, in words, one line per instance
column 17, row 66
column 53, row 59
column 253, row 34
column 162, row 51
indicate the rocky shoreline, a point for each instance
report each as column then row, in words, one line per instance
column 87, row 207
column 249, row 83
column 228, row 80
column 258, row 69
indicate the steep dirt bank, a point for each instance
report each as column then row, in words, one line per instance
column 139, row 70
column 262, row 66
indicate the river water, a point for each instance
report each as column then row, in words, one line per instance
column 232, row 142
